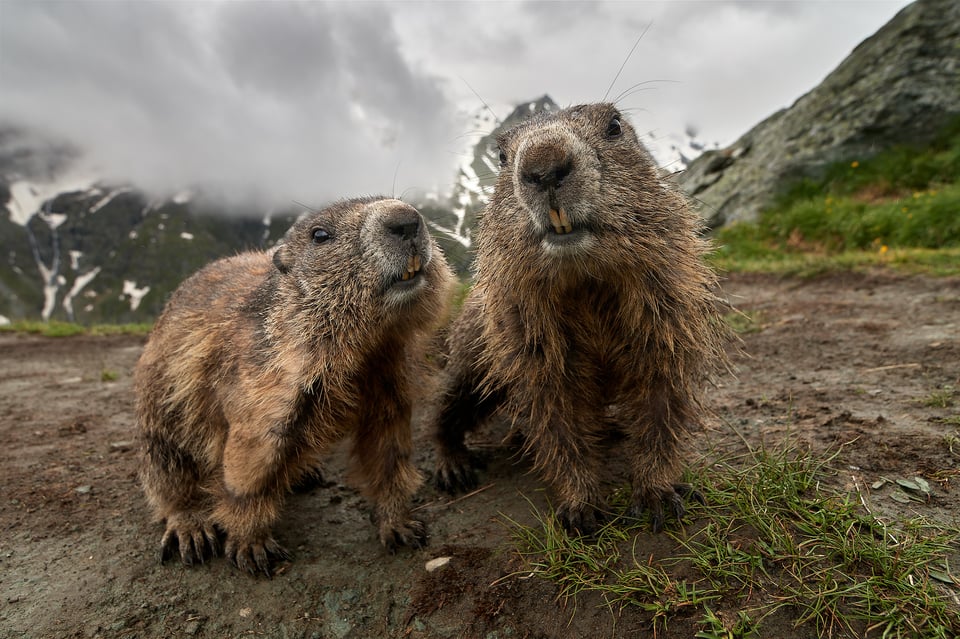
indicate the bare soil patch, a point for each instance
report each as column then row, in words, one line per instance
column 869, row 362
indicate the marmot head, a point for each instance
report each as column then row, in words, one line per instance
column 362, row 255
column 577, row 175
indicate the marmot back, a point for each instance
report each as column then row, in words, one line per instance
column 592, row 302
column 262, row 361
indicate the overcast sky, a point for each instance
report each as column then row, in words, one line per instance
column 313, row 101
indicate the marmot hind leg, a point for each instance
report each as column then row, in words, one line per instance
column 463, row 408
column 172, row 481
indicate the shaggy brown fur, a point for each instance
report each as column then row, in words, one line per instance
column 592, row 305
column 261, row 362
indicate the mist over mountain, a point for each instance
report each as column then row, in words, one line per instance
column 93, row 247
column 84, row 248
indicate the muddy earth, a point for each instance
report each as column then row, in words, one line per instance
column 867, row 360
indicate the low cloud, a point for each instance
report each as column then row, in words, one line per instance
column 257, row 101
column 310, row 101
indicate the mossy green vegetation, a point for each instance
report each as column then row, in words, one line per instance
column 56, row 328
column 773, row 540
column 900, row 208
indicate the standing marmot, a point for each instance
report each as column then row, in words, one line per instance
column 260, row 363
column 592, row 304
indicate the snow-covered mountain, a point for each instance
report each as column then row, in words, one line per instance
column 77, row 247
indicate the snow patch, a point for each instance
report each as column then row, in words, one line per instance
column 182, row 197
column 78, row 285
column 135, row 294
column 4, row 320
column 75, row 259
column 186, row 236
column 27, row 198
column 102, row 202
column 53, row 220
column 49, row 298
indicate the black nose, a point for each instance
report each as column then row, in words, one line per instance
column 406, row 230
column 550, row 177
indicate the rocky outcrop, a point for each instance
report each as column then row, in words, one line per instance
column 899, row 86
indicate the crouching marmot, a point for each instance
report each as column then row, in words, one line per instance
column 260, row 363
column 592, row 305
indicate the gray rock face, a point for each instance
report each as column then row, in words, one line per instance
column 898, row 86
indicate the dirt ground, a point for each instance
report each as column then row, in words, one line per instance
column 872, row 359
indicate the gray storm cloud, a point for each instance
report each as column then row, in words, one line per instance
column 277, row 101
column 271, row 101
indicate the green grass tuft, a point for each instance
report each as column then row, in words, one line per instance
column 940, row 398
column 772, row 539
column 52, row 328
column 55, row 328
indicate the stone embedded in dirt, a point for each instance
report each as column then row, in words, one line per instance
column 122, row 446
column 246, row 612
column 83, row 490
column 77, row 427
column 437, row 563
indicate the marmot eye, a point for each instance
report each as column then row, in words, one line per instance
column 503, row 157
column 320, row 236
column 614, row 130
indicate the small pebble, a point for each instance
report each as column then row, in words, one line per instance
column 434, row 564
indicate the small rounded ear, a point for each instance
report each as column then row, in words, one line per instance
column 281, row 258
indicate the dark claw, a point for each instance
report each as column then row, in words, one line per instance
column 582, row 521
column 310, row 480
column 656, row 518
column 192, row 546
column 169, row 546
column 689, row 492
column 413, row 534
column 457, row 473
column 187, row 555
column 263, row 563
column 199, row 542
column 674, row 498
column 419, row 537
column 257, row 558
column 214, row 542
